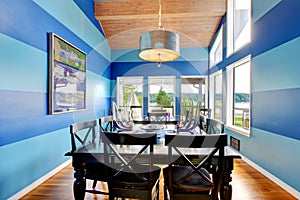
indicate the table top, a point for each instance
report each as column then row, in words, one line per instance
column 160, row 149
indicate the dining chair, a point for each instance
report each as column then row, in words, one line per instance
column 105, row 124
column 83, row 135
column 194, row 177
column 214, row 126
column 205, row 111
column 131, row 178
column 202, row 122
column 158, row 116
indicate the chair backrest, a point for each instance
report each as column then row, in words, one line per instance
column 214, row 126
column 205, row 111
column 131, row 179
column 202, row 122
column 83, row 134
column 129, row 138
column 106, row 124
column 157, row 116
column 188, row 174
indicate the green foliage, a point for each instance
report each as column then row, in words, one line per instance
column 162, row 98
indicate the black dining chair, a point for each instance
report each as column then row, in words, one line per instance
column 83, row 135
column 158, row 116
column 214, row 126
column 206, row 112
column 105, row 124
column 194, row 177
column 202, row 122
column 132, row 174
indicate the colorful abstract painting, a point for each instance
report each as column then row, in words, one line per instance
column 67, row 69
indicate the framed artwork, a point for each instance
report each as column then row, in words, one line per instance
column 67, row 76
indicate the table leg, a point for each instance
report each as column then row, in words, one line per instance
column 226, row 188
column 79, row 183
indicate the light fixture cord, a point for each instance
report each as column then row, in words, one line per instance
column 160, row 27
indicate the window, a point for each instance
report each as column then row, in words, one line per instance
column 238, row 96
column 238, row 24
column 216, row 52
column 193, row 94
column 216, row 95
column 130, row 94
column 161, row 93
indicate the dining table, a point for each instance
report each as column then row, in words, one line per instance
column 95, row 153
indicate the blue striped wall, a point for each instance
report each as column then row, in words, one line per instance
column 32, row 143
column 274, row 143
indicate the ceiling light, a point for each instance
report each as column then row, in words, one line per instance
column 159, row 45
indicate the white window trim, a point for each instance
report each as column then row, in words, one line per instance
column 218, row 41
column 229, row 98
column 212, row 92
column 119, row 92
column 230, row 29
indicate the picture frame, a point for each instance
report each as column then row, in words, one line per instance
column 67, row 76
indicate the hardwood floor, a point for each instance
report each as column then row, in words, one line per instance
column 247, row 183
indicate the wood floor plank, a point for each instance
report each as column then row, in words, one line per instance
column 247, row 183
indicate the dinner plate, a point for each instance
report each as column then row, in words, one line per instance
column 152, row 127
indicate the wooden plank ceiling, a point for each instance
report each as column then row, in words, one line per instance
column 123, row 21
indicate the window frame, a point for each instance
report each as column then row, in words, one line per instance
column 119, row 91
column 212, row 90
column 230, row 96
column 173, row 78
column 218, row 43
column 231, row 46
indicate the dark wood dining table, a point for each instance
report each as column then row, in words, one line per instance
column 94, row 153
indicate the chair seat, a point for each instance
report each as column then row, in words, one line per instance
column 95, row 171
column 139, row 180
column 195, row 183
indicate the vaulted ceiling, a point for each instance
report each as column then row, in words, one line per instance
column 123, row 21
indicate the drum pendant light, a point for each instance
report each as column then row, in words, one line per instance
column 159, row 45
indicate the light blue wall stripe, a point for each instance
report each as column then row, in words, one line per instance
column 23, row 67
column 278, row 68
column 260, row 8
column 273, row 153
column 97, row 86
column 69, row 14
column 26, row 161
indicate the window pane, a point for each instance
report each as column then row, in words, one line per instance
column 162, row 94
column 218, row 97
column 241, row 101
column 238, row 24
column 130, row 94
column 241, row 23
column 193, row 90
column 216, row 51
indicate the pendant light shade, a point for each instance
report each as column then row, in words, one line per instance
column 159, row 46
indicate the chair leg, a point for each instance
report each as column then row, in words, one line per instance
column 94, row 184
column 111, row 197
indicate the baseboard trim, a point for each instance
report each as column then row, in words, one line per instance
column 276, row 180
column 36, row 183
